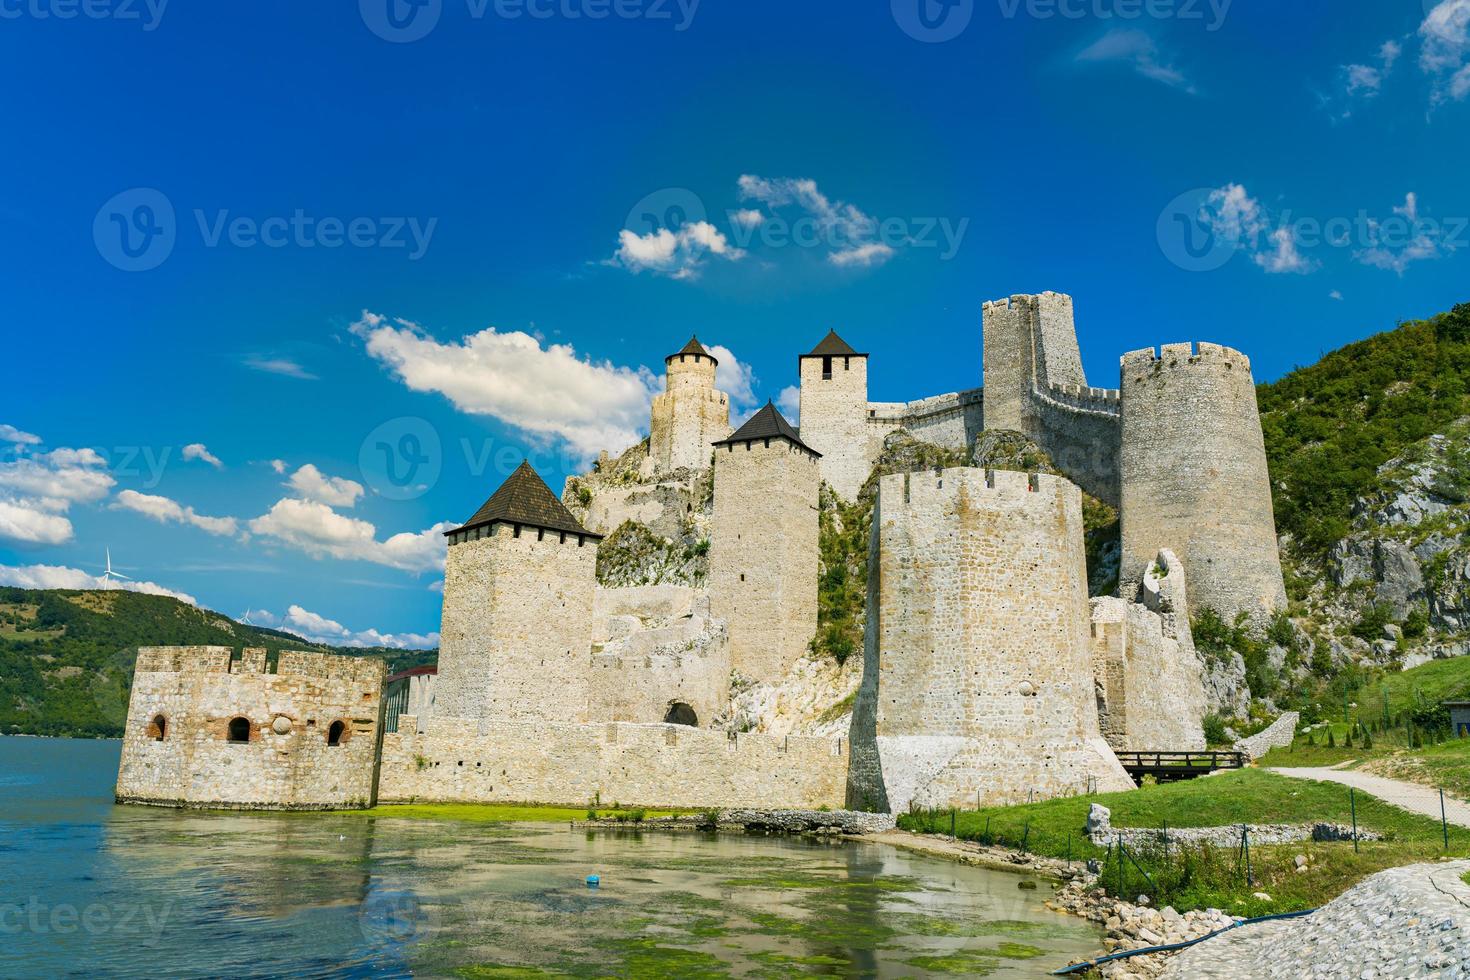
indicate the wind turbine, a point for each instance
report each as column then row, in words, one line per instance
column 109, row 574
column 245, row 618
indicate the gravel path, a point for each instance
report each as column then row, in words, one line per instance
column 1402, row 923
column 1407, row 796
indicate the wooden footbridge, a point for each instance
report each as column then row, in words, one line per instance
column 1170, row 767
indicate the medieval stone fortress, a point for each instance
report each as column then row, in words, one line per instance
column 575, row 667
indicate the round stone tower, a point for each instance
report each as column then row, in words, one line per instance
column 1194, row 480
column 690, row 414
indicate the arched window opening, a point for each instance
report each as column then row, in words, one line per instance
column 680, row 713
column 239, row 729
column 334, row 734
column 158, row 728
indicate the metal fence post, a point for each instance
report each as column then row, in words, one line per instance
column 1444, row 821
column 1353, row 802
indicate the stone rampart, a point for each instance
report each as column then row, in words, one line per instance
column 460, row 760
column 207, row 729
column 951, row 420
column 645, row 675
column 1280, row 734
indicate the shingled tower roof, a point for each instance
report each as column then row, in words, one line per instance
column 833, row 346
column 768, row 423
column 525, row 499
column 693, row 347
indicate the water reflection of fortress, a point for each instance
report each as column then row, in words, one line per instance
column 987, row 674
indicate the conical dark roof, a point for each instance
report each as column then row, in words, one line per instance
column 525, row 499
column 693, row 347
column 833, row 346
column 768, row 423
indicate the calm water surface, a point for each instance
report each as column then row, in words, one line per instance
column 88, row 888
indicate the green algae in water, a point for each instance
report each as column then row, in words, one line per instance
column 968, row 964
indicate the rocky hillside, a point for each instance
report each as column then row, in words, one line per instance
column 66, row 657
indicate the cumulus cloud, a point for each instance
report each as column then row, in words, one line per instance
column 36, row 492
column 197, row 450
column 548, row 392
column 1399, row 242
column 10, row 434
column 748, row 217
column 733, row 377
column 1234, row 215
column 167, row 511
column 61, row 577
column 279, row 365
column 1445, row 52
column 314, row 528
column 677, row 253
column 846, row 229
column 789, row 402
column 1138, row 50
column 279, row 465
column 334, row 491
column 1282, row 255
column 316, row 628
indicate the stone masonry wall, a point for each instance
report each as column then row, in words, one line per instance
column 287, row 764
column 1194, row 478
column 952, row 420
column 459, row 760
column 978, row 682
column 517, row 625
column 688, row 415
column 637, row 677
column 763, row 554
column 834, row 420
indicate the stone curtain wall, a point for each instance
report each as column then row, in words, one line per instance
column 978, row 682
column 637, row 677
column 287, row 764
column 517, row 626
column 459, row 760
column 1279, row 735
column 834, row 421
column 952, row 420
column 688, row 415
column 1194, row 478
column 763, row 554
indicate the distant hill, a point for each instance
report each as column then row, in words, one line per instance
column 66, row 656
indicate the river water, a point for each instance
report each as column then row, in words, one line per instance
column 88, row 888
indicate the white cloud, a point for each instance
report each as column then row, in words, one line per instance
column 61, row 577
column 871, row 254
column 1234, row 214
column 549, row 392
column 36, row 491
column 316, row 628
column 1445, row 54
column 316, row 529
column 1135, row 48
column 733, row 377
column 1335, row 294
column 1283, row 255
column 279, row 365
column 437, row 586
column 166, row 511
column 10, row 434
column 843, row 227
column 334, row 491
column 789, row 402
column 748, row 218
column 677, row 253
column 1389, row 54
column 1398, row 243
column 279, row 465
column 197, row 450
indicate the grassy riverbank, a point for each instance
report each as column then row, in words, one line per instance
column 512, row 812
column 1198, row 877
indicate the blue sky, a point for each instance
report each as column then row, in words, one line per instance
column 362, row 258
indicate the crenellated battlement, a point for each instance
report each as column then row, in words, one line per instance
column 253, row 660
column 1108, row 401
column 1136, row 364
column 981, row 487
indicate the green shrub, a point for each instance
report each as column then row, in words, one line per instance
column 1416, row 624
column 1214, row 727
column 1375, row 617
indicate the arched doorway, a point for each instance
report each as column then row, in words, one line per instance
column 334, row 733
column 680, row 713
column 239, row 729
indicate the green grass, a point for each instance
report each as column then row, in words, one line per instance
column 1200, row 878
column 504, row 812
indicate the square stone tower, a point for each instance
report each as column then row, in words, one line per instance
column 763, row 552
column 517, row 622
column 834, row 413
column 977, row 673
column 690, row 414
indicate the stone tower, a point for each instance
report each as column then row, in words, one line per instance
column 977, row 677
column 834, row 412
column 1194, row 478
column 763, row 552
column 517, row 621
column 690, row 413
